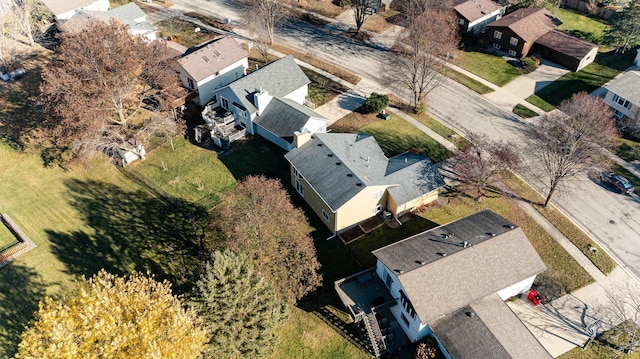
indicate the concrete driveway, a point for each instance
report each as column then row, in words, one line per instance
column 526, row 85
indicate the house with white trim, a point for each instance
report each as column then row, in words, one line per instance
column 623, row 93
column 268, row 102
column 474, row 15
column 451, row 282
column 65, row 9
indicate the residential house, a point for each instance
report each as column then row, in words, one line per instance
column 451, row 282
column 516, row 32
column 268, row 102
column 346, row 178
column 623, row 93
column 213, row 65
column 474, row 15
column 129, row 14
column 65, row 9
column 534, row 30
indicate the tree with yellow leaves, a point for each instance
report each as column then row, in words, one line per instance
column 115, row 317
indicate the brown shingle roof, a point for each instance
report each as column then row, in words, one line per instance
column 566, row 44
column 474, row 10
column 528, row 23
column 497, row 257
column 212, row 58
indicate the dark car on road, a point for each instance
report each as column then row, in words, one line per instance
column 617, row 181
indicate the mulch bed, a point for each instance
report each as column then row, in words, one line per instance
column 351, row 235
column 371, row 224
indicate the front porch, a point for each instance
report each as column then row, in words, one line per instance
column 368, row 301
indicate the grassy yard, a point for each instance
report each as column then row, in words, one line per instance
column 467, row 81
column 581, row 26
column 81, row 221
column 629, row 150
column 6, row 236
column 492, row 68
column 540, row 103
column 322, row 89
column 524, row 111
column 394, row 136
column 187, row 172
column 602, row 70
column 325, row 8
column 182, row 32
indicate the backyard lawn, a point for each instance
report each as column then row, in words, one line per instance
column 492, row 68
column 602, row 70
column 581, row 26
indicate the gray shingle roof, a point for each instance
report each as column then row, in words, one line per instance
column 473, row 10
column 493, row 331
column 58, row 7
column 283, row 117
column 279, row 78
column 497, row 257
column 627, row 85
column 212, row 57
column 340, row 165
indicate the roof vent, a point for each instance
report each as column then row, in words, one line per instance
column 338, row 163
column 421, row 262
column 512, row 226
column 491, row 234
column 319, row 144
column 465, row 244
column 359, row 184
column 470, row 314
column 448, row 235
column 442, row 254
column 330, row 155
column 349, row 174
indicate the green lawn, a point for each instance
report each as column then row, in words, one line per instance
column 6, row 236
column 602, row 70
column 629, row 150
column 322, row 89
column 524, row 111
column 187, row 172
column 467, row 81
column 492, row 68
column 397, row 136
column 81, row 221
column 540, row 103
column 581, row 26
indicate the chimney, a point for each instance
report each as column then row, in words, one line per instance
column 301, row 137
column 261, row 99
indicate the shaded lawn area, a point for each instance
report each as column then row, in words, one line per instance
column 322, row 89
column 6, row 236
column 81, row 221
column 629, row 150
column 602, row 70
column 188, row 173
column 524, row 111
column 467, row 81
column 490, row 67
column 395, row 136
column 256, row 156
column 182, row 32
column 581, row 26
column 540, row 103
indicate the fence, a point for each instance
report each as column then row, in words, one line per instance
column 580, row 5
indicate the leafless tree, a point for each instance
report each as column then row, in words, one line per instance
column 420, row 53
column 622, row 311
column 478, row 165
column 414, row 8
column 264, row 16
column 362, row 10
column 565, row 143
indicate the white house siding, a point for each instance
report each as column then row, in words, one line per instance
column 416, row 330
column 479, row 25
column 591, row 56
column 515, row 289
column 608, row 98
column 316, row 125
column 98, row 5
column 298, row 95
column 206, row 88
column 269, row 136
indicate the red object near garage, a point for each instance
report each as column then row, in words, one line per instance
column 534, row 297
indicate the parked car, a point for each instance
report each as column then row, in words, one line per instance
column 617, row 181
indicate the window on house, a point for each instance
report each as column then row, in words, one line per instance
column 406, row 304
column 388, row 281
column 513, row 41
column 618, row 114
column 622, row 102
column 376, row 209
column 512, row 53
column 214, row 99
column 300, row 188
column 225, row 103
column 497, row 34
column 190, row 83
column 460, row 21
column 404, row 319
column 296, row 174
column 325, row 215
column 496, row 46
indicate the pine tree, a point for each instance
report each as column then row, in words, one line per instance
column 241, row 309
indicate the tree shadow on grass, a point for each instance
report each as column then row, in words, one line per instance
column 132, row 232
column 21, row 289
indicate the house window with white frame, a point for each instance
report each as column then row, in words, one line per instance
column 497, row 35
column 296, row 174
column 225, row 103
column 496, row 46
column 513, row 41
column 300, row 188
column 618, row 114
column 406, row 304
column 460, row 21
column 622, row 102
column 325, row 215
column 376, row 209
column 512, row 53
column 190, row 83
column 388, row 281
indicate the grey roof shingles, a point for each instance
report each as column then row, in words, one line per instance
column 493, row 331
column 473, row 10
column 279, row 78
column 212, row 57
column 340, row 165
column 283, row 117
column 497, row 256
column 627, row 85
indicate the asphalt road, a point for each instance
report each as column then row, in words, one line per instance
column 612, row 219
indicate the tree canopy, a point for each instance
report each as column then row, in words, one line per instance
column 259, row 219
column 241, row 309
column 97, row 85
column 115, row 317
column 624, row 28
column 563, row 144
